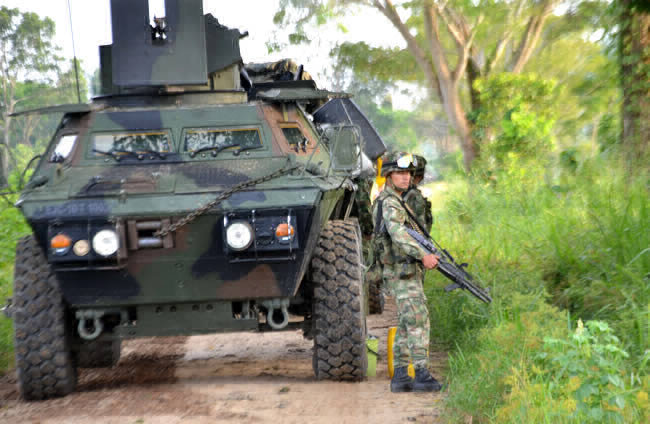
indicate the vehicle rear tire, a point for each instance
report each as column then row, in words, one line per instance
column 339, row 323
column 98, row 354
column 41, row 338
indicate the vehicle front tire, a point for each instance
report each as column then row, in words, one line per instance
column 339, row 323
column 41, row 338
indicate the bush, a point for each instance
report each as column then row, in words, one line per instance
column 478, row 371
column 12, row 227
column 575, row 238
column 578, row 379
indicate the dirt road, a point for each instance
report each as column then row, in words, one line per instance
column 226, row 378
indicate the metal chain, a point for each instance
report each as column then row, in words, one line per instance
column 203, row 209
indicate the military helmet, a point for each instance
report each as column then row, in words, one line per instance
column 398, row 161
column 420, row 164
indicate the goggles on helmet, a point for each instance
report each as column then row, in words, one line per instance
column 404, row 162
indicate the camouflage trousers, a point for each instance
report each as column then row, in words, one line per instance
column 374, row 270
column 374, row 275
column 413, row 327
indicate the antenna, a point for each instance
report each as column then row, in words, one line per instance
column 74, row 55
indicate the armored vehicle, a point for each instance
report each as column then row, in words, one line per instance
column 195, row 195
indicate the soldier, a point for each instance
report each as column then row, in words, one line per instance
column 415, row 199
column 403, row 262
column 372, row 278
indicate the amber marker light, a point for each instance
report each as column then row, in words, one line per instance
column 60, row 244
column 284, row 232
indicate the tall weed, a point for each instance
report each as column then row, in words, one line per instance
column 576, row 239
column 576, row 379
column 12, row 227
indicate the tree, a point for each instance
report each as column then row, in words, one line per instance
column 634, row 50
column 403, row 130
column 26, row 50
column 35, row 130
column 452, row 44
column 518, row 111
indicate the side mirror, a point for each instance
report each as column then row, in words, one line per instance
column 345, row 148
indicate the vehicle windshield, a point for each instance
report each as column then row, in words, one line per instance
column 131, row 142
column 206, row 138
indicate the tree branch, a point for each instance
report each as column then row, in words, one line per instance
column 462, row 35
column 453, row 24
column 497, row 53
column 437, row 54
column 388, row 10
column 531, row 35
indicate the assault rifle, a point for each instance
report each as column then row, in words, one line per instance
column 450, row 269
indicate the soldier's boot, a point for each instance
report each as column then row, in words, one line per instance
column 424, row 381
column 402, row 381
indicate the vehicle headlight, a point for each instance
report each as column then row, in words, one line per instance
column 81, row 248
column 239, row 235
column 105, row 242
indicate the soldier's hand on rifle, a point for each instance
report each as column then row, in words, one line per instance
column 430, row 261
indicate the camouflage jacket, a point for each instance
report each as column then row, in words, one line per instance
column 420, row 206
column 398, row 246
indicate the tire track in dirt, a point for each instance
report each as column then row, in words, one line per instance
column 227, row 378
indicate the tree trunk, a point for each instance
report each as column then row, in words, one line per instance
column 455, row 111
column 473, row 73
column 4, row 150
column 635, row 66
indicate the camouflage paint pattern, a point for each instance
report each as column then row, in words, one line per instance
column 403, row 275
column 91, row 191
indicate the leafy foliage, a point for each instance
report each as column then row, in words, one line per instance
column 516, row 115
column 387, row 64
column 26, row 51
column 573, row 236
column 30, row 77
column 469, row 40
column 12, row 227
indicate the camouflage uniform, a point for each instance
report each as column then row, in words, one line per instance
column 420, row 206
column 403, row 273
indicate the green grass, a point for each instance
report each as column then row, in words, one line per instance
column 12, row 227
column 553, row 247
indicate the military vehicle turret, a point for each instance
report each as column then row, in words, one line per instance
column 195, row 195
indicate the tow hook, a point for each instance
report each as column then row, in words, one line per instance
column 277, row 316
column 8, row 309
column 92, row 332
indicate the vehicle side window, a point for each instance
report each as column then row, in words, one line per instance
column 296, row 139
column 201, row 138
column 137, row 142
column 63, row 148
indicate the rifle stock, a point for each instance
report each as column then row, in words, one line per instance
column 450, row 269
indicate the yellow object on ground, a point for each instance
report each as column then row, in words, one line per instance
column 372, row 345
column 391, row 340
